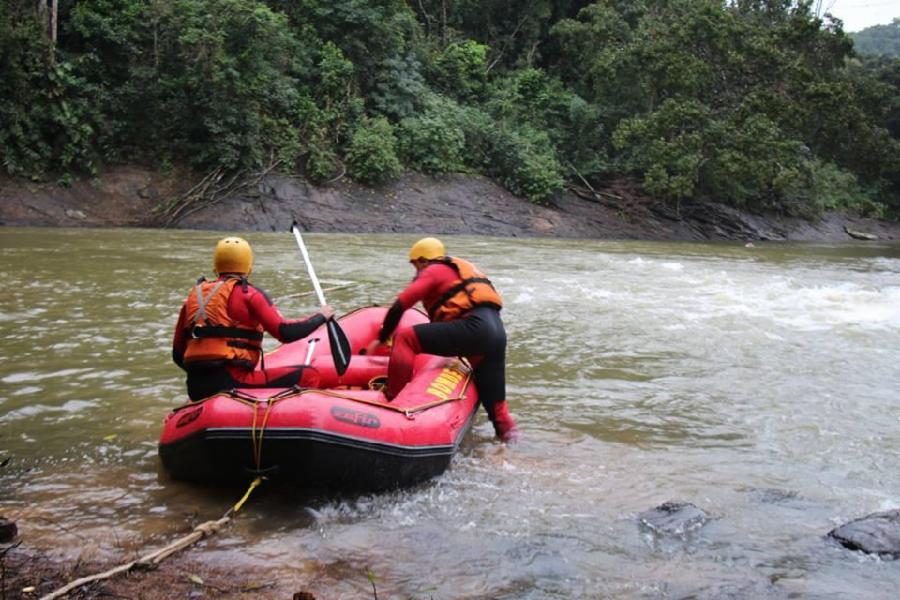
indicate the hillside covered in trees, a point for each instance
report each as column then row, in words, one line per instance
column 879, row 39
column 756, row 103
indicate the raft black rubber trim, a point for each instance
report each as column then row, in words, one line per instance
column 317, row 435
column 310, row 456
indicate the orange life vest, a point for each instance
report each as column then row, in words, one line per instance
column 473, row 289
column 212, row 334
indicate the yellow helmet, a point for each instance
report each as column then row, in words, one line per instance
column 233, row 255
column 428, row 248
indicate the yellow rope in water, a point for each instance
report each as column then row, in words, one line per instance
column 240, row 503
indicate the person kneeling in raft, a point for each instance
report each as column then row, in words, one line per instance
column 465, row 312
column 218, row 338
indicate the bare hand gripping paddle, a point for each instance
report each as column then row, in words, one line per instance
column 340, row 346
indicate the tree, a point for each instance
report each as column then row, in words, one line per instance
column 879, row 39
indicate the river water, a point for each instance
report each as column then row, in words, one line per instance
column 759, row 384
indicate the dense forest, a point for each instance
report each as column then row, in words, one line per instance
column 758, row 103
column 879, row 39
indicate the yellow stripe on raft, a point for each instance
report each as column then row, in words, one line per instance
column 446, row 381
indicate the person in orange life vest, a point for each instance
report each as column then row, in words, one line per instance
column 218, row 337
column 465, row 312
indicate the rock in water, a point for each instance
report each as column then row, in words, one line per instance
column 8, row 530
column 673, row 518
column 878, row 533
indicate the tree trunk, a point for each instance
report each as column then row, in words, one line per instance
column 48, row 13
column 443, row 23
column 41, row 9
column 54, row 13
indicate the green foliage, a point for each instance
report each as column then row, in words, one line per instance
column 754, row 164
column 335, row 73
column 232, row 63
column 761, row 104
column 668, row 146
column 398, row 87
column 216, row 80
column 525, row 163
column 521, row 158
column 514, row 31
column 574, row 126
column 716, row 100
column 47, row 121
column 837, row 189
column 372, row 153
column 433, row 142
column 879, row 39
column 460, row 69
column 684, row 151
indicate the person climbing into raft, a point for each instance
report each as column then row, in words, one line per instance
column 464, row 309
column 218, row 337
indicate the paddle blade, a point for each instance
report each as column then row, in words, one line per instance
column 340, row 346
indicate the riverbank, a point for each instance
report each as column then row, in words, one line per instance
column 30, row 573
column 413, row 203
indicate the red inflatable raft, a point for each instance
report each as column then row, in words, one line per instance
column 332, row 430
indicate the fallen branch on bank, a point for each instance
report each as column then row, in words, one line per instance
column 150, row 560
column 154, row 558
column 597, row 196
column 216, row 186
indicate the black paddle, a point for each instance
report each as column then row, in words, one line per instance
column 340, row 346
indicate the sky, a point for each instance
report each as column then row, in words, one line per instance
column 859, row 14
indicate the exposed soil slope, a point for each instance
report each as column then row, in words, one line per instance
column 413, row 203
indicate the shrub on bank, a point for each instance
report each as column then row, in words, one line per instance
column 372, row 154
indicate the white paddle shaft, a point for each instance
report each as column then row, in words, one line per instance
column 309, row 266
column 310, row 346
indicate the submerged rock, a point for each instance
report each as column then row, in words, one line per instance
column 8, row 530
column 673, row 518
column 878, row 533
column 771, row 495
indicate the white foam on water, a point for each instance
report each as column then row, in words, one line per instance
column 27, row 411
column 27, row 390
column 819, row 307
column 74, row 406
column 672, row 266
column 27, row 376
column 525, row 296
column 70, row 407
column 811, row 301
column 112, row 374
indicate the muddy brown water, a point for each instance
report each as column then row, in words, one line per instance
column 760, row 384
